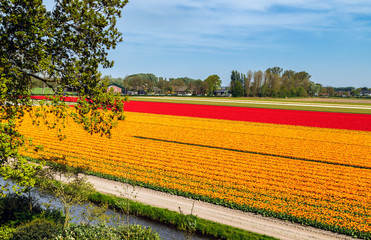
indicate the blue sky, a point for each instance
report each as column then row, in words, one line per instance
column 329, row 39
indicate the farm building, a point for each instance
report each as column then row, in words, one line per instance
column 116, row 88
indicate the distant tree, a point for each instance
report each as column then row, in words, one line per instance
column 186, row 80
column 300, row 92
column 265, row 90
column 136, row 83
column 161, row 84
column 237, row 89
column 288, row 79
column 236, row 76
column 177, row 84
column 344, row 89
column 330, row 91
column 275, row 70
column 141, row 81
column 213, row 82
column 256, row 85
column 283, row 92
column 313, row 88
column 237, row 81
column 355, row 92
column 247, row 83
column 112, row 80
column 273, row 80
column 200, row 87
column 148, row 86
column 302, row 79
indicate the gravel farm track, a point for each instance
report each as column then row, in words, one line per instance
column 248, row 221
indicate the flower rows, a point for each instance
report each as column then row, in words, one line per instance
column 290, row 117
column 360, row 122
column 321, row 175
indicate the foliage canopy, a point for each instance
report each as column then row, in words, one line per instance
column 63, row 48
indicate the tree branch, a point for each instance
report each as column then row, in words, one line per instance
column 41, row 79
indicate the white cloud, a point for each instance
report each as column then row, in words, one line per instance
column 229, row 23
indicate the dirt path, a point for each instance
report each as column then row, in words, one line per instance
column 248, row 221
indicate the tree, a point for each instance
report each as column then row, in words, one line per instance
column 236, row 76
column 301, row 79
column 177, row 84
column 213, row 82
column 355, row 92
column 200, row 87
column 247, row 83
column 273, row 76
column 287, row 78
column 237, row 81
column 237, row 89
column 330, row 91
column 313, row 88
column 64, row 182
column 67, row 45
column 256, row 86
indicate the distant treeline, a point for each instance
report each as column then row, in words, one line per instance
column 273, row 82
column 149, row 83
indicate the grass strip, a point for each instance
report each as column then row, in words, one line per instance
column 257, row 153
column 180, row 221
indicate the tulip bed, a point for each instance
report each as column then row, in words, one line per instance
column 312, row 175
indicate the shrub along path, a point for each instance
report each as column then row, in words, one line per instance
column 247, row 221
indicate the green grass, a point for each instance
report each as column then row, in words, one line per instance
column 180, row 221
column 39, row 91
column 47, row 91
column 229, row 102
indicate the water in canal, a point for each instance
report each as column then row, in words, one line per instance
column 166, row 232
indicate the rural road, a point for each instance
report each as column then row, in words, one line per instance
column 248, row 221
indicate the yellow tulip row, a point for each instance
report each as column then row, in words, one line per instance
column 331, row 194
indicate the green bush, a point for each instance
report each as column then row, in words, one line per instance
column 6, row 232
column 137, row 232
column 38, row 229
column 16, row 209
column 103, row 232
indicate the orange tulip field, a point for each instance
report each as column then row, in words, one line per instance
column 316, row 176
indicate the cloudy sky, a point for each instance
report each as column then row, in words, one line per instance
column 329, row 39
